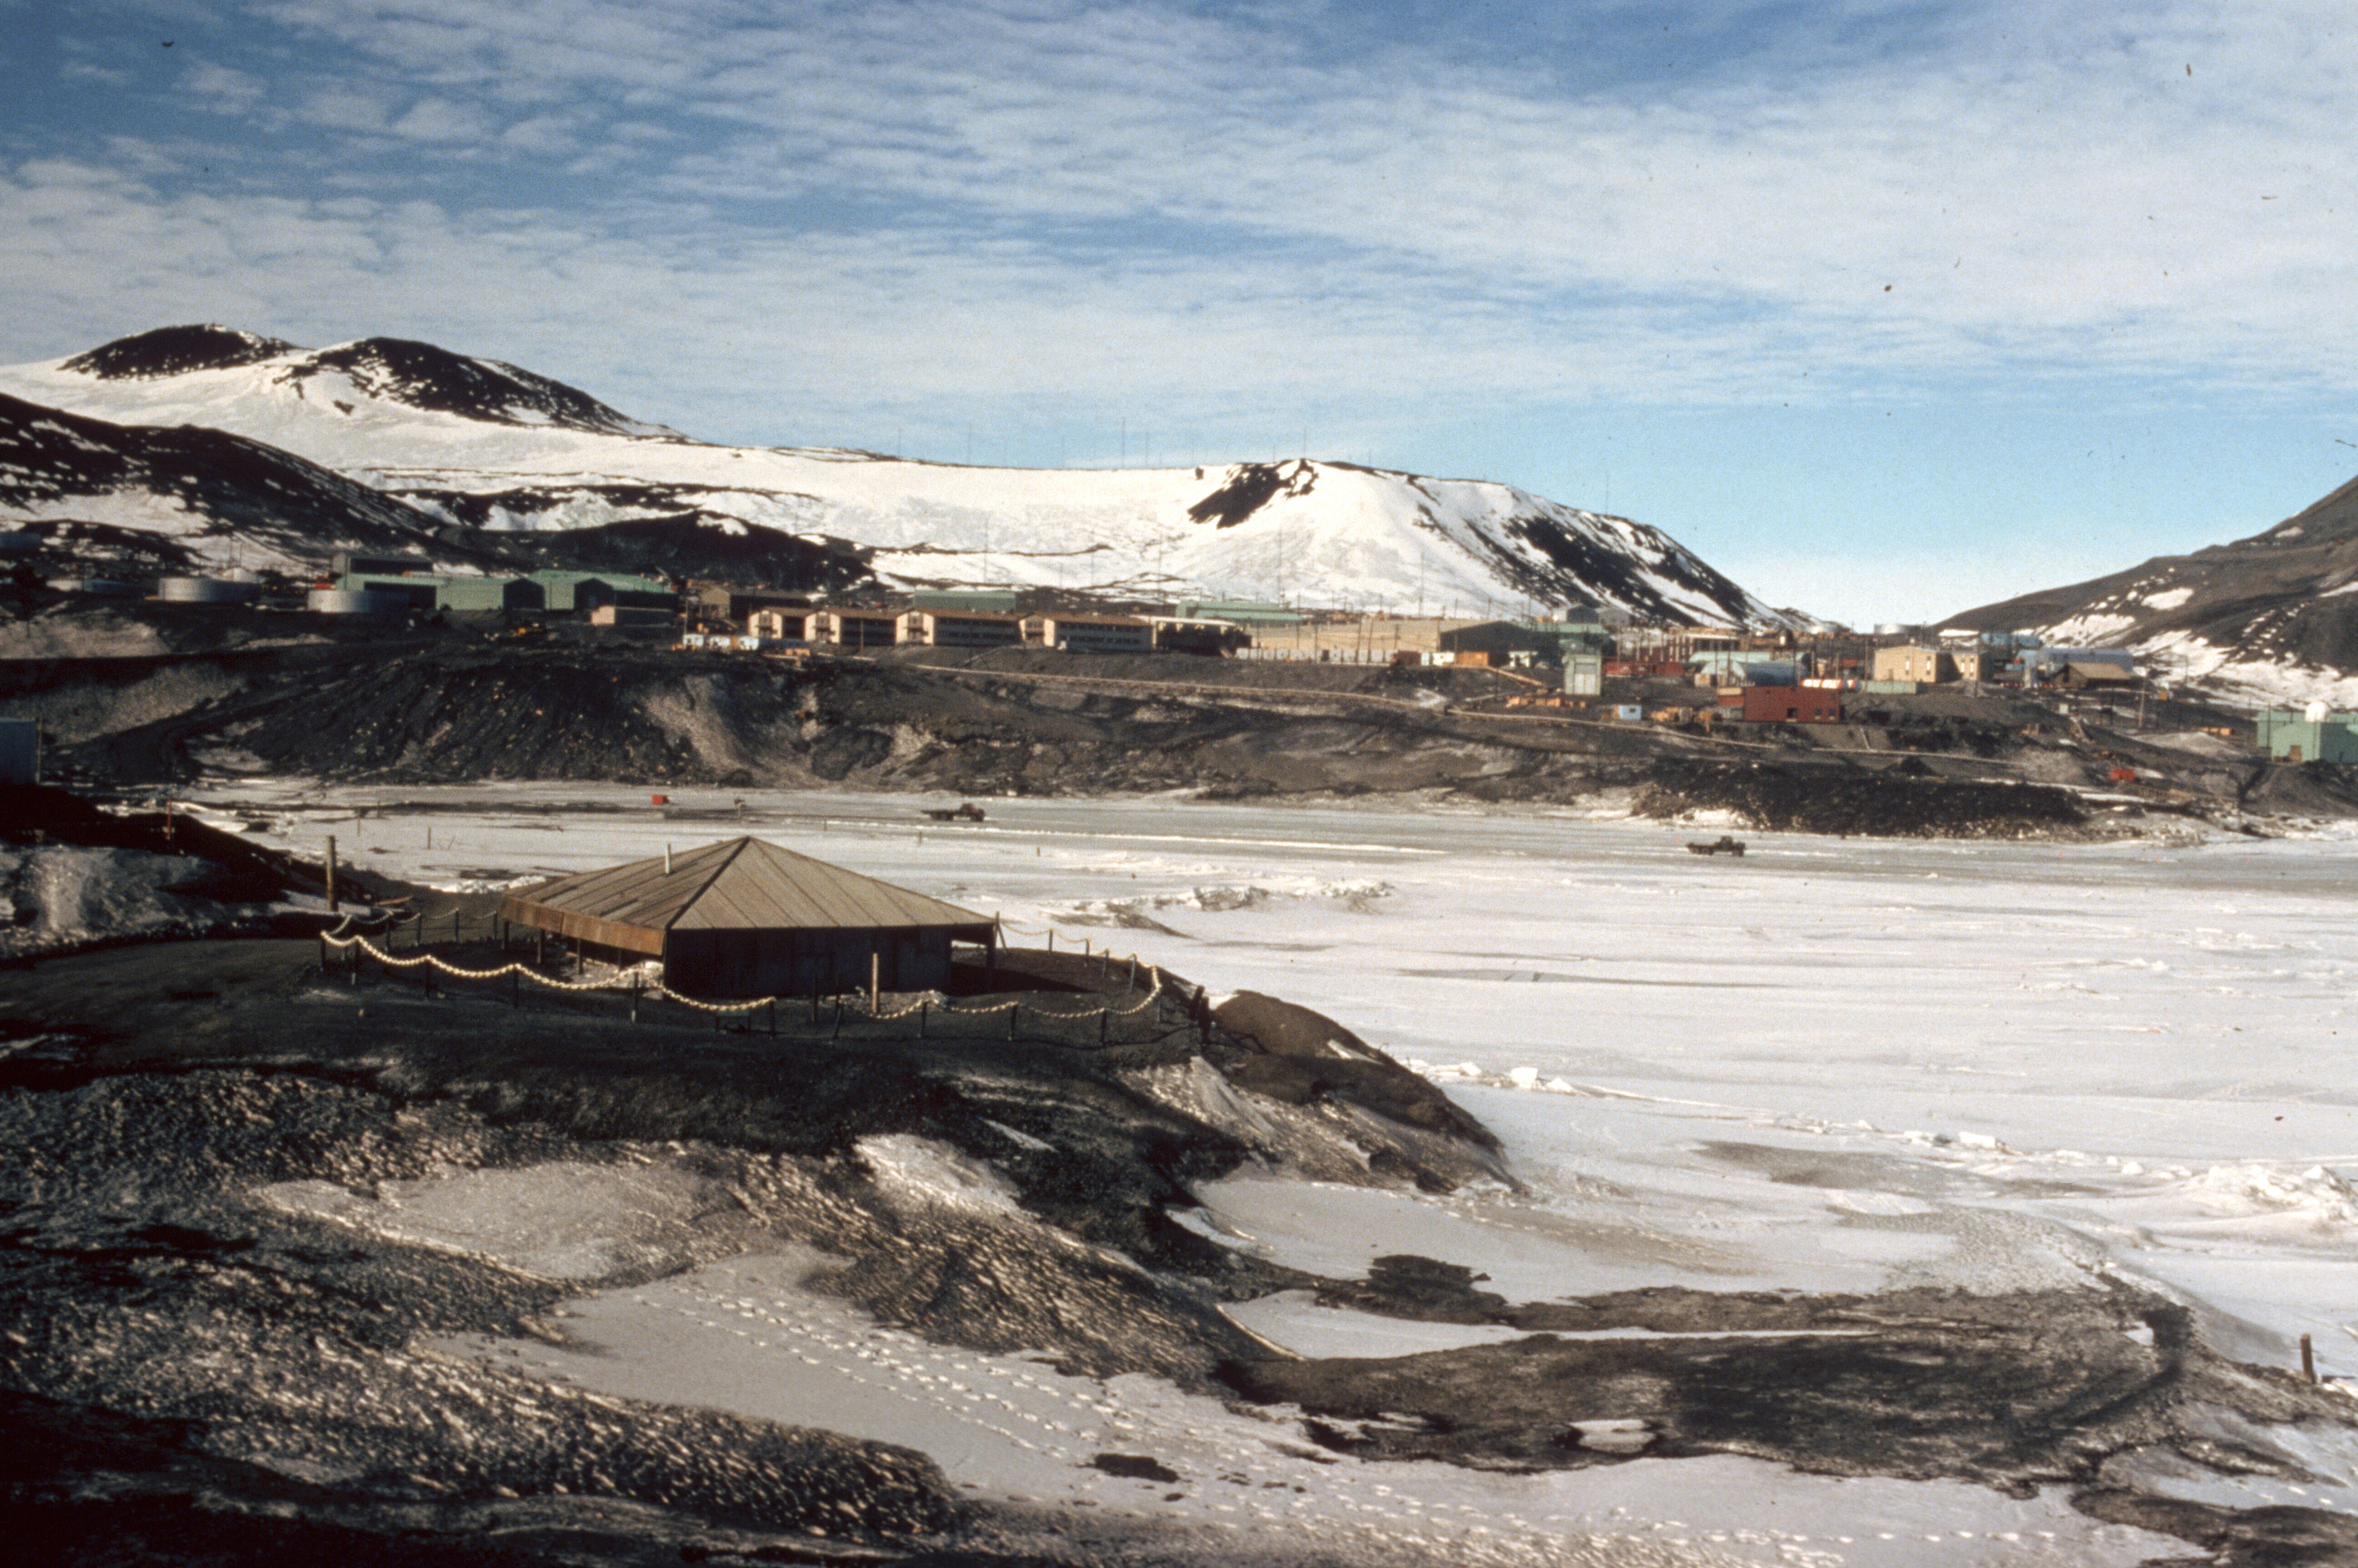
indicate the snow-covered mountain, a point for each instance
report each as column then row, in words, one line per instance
column 487, row 446
column 2267, row 621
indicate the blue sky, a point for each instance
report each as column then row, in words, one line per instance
column 1885, row 309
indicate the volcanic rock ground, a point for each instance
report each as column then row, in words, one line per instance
column 134, row 696
column 204, row 1357
column 192, row 1370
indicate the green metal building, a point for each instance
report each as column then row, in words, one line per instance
column 2308, row 736
column 971, row 601
column 572, row 593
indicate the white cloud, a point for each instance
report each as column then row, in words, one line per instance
column 219, row 88
column 2029, row 188
column 439, row 120
column 1192, row 207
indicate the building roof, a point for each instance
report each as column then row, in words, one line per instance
column 625, row 582
column 738, row 885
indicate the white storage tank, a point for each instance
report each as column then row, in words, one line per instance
column 354, row 601
column 206, row 591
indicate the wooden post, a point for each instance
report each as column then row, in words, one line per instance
column 539, row 946
column 1104, row 1013
column 1051, row 938
column 1014, row 1008
column 332, row 873
column 875, row 968
column 924, row 1005
column 2307, row 1360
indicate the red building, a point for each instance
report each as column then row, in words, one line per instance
column 1787, row 705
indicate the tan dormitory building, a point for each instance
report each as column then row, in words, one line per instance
column 1931, row 666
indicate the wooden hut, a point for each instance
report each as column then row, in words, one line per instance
column 744, row 918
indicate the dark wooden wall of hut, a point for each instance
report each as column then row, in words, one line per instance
column 726, row 964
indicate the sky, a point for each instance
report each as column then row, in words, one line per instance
column 1885, row 309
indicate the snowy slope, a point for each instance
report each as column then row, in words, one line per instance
column 2269, row 621
column 485, row 444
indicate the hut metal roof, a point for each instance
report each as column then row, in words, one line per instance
column 738, row 884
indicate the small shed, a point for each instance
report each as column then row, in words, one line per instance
column 2087, row 675
column 746, row 918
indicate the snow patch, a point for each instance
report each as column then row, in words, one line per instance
column 925, row 1173
column 565, row 1220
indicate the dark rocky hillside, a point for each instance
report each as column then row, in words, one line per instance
column 2288, row 597
column 236, row 496
column 425, row 376
column 132, row 696
column 155, row 499
column 673, row 534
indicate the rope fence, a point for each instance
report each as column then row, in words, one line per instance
column 346, row 938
